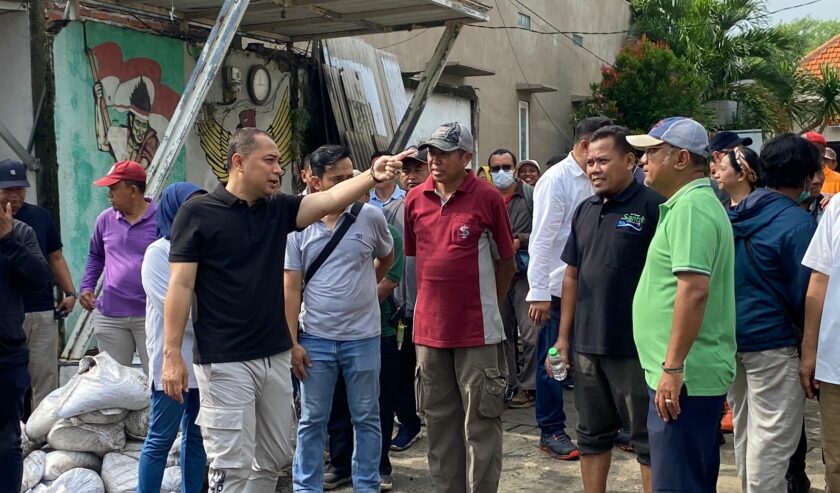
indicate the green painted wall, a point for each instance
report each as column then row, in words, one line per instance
column 80, row 160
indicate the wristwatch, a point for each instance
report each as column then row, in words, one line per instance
column 68, row 294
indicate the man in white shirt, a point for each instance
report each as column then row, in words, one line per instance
column 557, row 194
column 820, row 362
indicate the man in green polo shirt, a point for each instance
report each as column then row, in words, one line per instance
column 684, row 309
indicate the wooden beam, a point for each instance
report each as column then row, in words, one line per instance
column 346, row 17
column 428, row 81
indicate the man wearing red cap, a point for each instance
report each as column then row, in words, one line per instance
column 119, row 241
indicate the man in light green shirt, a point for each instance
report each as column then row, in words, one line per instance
column 684, row 309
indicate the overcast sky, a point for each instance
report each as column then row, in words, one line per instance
column 824, row 9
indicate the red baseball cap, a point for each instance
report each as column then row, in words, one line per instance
column 814, row 138
column 123, row 170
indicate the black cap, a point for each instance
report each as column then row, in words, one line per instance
column 12, row 174
column 728, row 140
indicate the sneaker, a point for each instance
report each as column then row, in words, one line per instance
column 623, row 442
column 522, row 399
column 333, row 480
column 405, row 438
column 559, row 446
column 798, row 483
column 385, row 483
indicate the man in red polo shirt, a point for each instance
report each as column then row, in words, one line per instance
column 458, row 329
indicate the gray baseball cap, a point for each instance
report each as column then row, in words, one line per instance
column 678, row 131
column 449, row 137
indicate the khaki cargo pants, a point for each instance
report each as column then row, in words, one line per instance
column 462, row 397
column 246, row 421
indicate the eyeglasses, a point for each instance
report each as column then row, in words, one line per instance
column 651, row 150
column 505, row 167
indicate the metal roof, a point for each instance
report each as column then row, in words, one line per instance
column 303, row 20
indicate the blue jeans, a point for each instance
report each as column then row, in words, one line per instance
column 167, row 416
column 549, row 399
column 359, row 364
column 13, row 385
column 684, row 454
column 341, row 429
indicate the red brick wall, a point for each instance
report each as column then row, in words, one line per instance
column 55, row 12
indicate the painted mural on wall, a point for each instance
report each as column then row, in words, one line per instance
column 216, row 124
column 115, row 90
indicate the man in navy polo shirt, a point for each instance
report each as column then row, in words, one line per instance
column 605, row 254
column 40, row 324
column 451, row 221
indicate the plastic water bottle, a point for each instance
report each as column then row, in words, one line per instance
column 558, row 368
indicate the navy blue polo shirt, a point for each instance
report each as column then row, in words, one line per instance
column 39, row 219
column 608, row 244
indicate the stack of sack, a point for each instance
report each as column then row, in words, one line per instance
column 86, row 436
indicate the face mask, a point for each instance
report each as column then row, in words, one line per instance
column 805, row 195
column 503, row 179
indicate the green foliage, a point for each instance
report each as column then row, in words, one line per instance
column 649, row 82
column 810, row 33
column 732, row 44
column 821, row 99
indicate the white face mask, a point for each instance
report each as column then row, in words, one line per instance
column 502, row 179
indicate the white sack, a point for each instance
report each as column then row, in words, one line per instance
column 43, row 418
column 77, row 481
column 102, row 383
column 60, row 461
column 171, row 480
column 103, row 416
column 33, row 470
column 119, row 473
column 73, row 435
column 137, row 423
column 26, row 445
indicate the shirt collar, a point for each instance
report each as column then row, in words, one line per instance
column 466, row 186
column 623, row 196
column 228, row 198
column 576, row 169
column 150, row 211
column 692, row 185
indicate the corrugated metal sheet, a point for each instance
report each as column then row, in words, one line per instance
column 366, row 94
column 301, row 21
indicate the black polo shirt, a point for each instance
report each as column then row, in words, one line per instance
column 39, row 219
column 239, row 283
column 608, row 244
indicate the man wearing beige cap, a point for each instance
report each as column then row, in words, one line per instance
column 684, row 309
column 119, row 241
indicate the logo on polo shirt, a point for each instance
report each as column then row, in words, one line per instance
column 632, row 221
column 464, row 232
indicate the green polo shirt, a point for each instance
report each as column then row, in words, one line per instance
column 693, row 235
column 395, row 274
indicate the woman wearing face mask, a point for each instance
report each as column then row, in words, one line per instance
column 772, row 234
column 483, row 173
column 737, row 174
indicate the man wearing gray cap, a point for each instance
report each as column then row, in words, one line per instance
column 451, row 223
column 684, row 309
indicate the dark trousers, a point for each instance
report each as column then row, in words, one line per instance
column 685, row 456
column 796, row 466
column 340, row 428
column 406, row 401
column 549, row 406
column 13, row 385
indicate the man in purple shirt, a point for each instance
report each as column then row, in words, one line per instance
column 119, row 241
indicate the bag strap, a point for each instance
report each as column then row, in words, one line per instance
column 349, row 219
column 528, row 193
column 797, row 326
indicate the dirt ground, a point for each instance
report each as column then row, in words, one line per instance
column 526, row 468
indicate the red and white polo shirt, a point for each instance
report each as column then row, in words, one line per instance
column 456, row 276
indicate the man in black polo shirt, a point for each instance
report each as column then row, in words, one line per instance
column 228, row 246
column 605, row 253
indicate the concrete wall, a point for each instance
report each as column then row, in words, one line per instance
column 440, row 108
column 552, row 60
column 16, row 111
column 168, row 62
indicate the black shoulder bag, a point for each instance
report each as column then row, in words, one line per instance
column 336, row 238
